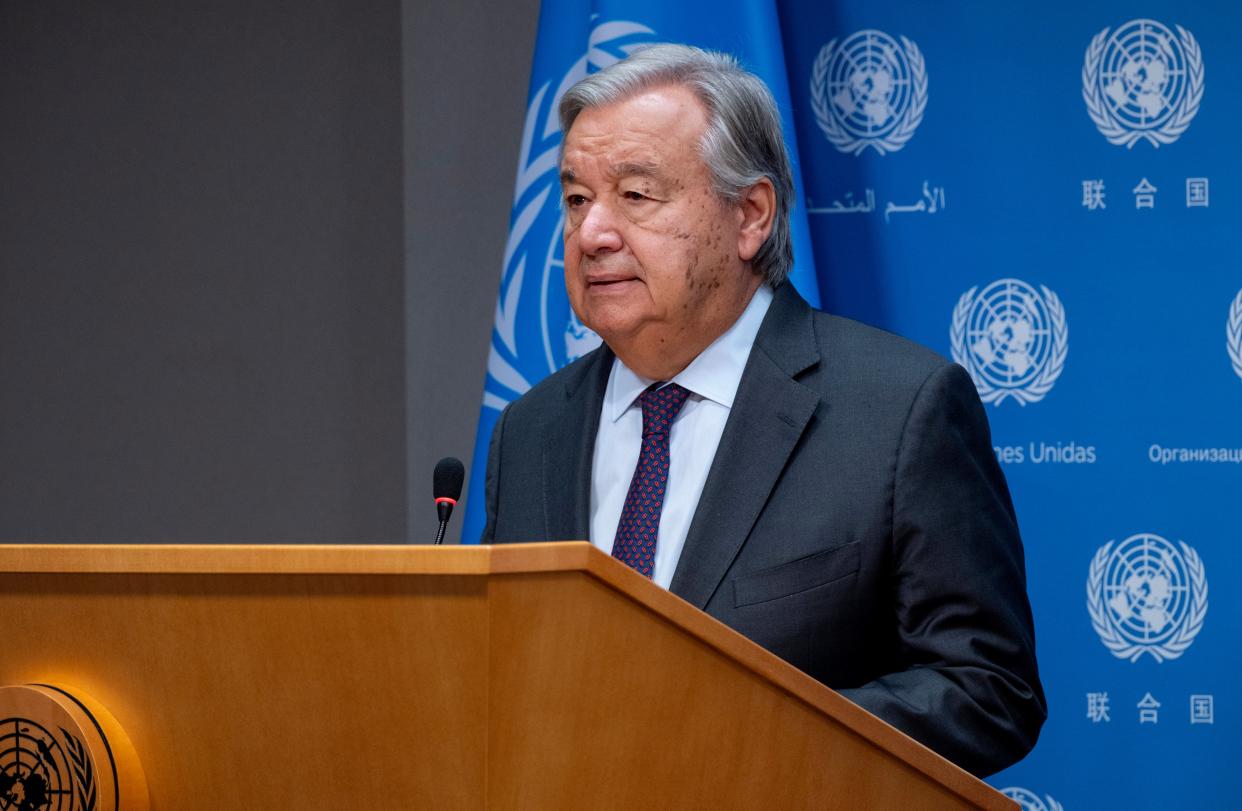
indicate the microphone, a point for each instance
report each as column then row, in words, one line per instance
column 446, row 483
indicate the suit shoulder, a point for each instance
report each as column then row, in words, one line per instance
column 858, row 349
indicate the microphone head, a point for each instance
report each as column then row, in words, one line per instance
column 447, row 479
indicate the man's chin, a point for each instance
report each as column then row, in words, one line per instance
column 616, row 326
column 618, row 307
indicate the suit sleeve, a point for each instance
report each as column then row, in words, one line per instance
column 491, row 484
column 968, row 686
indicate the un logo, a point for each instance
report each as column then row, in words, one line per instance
column 1029, row 800
column 42, row 767
column 1143, row 82
column 1233, row 334
column 62, row 751
column 1147, row 596
column 869, row 92
column 1011, row 339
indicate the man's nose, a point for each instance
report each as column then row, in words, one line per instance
column 599, row 231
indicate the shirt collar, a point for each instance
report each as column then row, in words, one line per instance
column 714, row 375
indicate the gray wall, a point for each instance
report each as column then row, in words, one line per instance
column 226, row 231
column 466, row 72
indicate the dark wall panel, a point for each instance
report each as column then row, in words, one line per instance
column 467, row 66
column 201, row 272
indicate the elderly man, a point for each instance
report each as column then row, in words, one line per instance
column 827, row 489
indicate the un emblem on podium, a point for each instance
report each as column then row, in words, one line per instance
column 1012, row 339
column 43, row 768
column 63, row 751
column 1143, row 82
column 869, row 91
column 1147, row 596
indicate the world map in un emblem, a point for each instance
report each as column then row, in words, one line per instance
column 1143, row 82
column 1030, row 801
column 33, row 771
column 1012, row 339
column 1146, row 595
column 869, row 91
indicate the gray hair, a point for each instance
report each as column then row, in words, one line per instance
column 742, row 144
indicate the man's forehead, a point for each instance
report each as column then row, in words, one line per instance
column 646, row 135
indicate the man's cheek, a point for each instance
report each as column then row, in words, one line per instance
column 660, row 223
column 573, row 275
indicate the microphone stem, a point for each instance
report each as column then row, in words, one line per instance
column 440, row 532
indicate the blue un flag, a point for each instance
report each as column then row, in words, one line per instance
column 535, row 331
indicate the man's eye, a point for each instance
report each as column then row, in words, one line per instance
column 634, row 195
column 574, row 200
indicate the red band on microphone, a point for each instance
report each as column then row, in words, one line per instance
column 452, row 501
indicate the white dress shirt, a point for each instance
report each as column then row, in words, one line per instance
column 712, row 380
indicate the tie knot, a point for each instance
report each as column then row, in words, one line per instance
column 660, row 407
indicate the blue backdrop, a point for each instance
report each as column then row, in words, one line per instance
column 1043, row 193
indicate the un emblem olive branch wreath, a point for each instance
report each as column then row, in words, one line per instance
column 83, row 771
column 1123, row 648
column 1052, row 367
column 910, row 119
column 1172, row 129
column 1233, row 331
column 819, row 104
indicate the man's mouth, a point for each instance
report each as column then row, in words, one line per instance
column 605, row 282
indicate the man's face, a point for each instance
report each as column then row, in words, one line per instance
column 651, row 252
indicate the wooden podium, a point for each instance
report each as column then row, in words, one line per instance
column 545, row 676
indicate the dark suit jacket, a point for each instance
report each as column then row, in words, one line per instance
column 854, row 522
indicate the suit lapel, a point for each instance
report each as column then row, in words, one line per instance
column 569, row 448
column 769, row 414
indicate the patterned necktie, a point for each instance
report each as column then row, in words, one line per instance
column 640, row 517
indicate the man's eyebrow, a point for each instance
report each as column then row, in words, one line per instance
column 628, row 169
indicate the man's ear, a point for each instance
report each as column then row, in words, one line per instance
column 756, row 214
